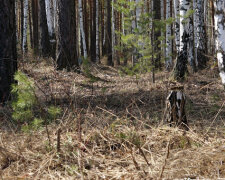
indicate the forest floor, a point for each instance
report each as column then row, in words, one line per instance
column 110, row 128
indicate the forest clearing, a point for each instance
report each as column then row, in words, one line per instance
column 112, row 89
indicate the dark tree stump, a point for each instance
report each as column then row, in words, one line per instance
column 175, row 108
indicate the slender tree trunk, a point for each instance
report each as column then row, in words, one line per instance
column 220, row 43
column 102, row 28
column 177, row 24
column 16, row 17
column 44, row 43
column 157, row 16
column 82, row 28
column 86, row 27
column 108, row 38
column 19, row 23
column 116, row 58
column 50, row 17
column 105, row 28
column 138, row 24
column 93, row 32
column 133, row 27
column 30, row 25
column 35, row 25
column 190, row 44
column 97, row 32
column 213, row 28
column 113, row 32
column 8, row 62
column 25, row 25
column 168, row 37
column 163, row 54
column 138, row 13
column 77, row 31
column 22, row 23
column 66, row 55
column 185, row 40
column 200, row 34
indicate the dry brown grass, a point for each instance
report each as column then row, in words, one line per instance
column 121, row 136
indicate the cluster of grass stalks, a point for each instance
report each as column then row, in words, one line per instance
column 121, row 153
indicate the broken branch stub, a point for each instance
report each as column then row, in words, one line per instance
column 175, row 108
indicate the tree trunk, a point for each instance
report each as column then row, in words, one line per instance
column 50, row 18
column 93, row 32
column 200, row 34
column 114, row 36
column 185, row 32
column 102, row 28
column 8, row 62
column 168, row 37
column 177, row 24
column 30, row 25
column 35, row 25
column 97, row 32
column 44, row 43
column 190, row 42
column 163, row 42
column 213, row 28
column 82, row 28
column 220, row 36
column 175, row 108
column 66, row 55
column 156, row 18
column 21, row 23
column 25, row 25
column 108, row 39
column 133, row 27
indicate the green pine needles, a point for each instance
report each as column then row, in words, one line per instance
column 27, row 110
column 142, row 40
column 25, row 99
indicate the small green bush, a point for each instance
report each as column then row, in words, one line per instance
column 26, row 108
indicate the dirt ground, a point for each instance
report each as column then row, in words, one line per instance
column 111, row 128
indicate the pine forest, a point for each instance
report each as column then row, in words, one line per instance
column 112, row 89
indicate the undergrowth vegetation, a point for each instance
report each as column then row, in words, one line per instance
column 109, row 128
column 27, row 110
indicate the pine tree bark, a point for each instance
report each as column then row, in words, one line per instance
column 133, row 27
column 156, row 17
column 86, row 22
column 163, row 52
column 35, row 25
column 44, row 43
column 93, row 30
column 213, row 28
column 108, row 39
column 30, row 25
column 21, row 23
column 97, row 32
column 117, row 37
column 66, row 55
column 8, row 57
